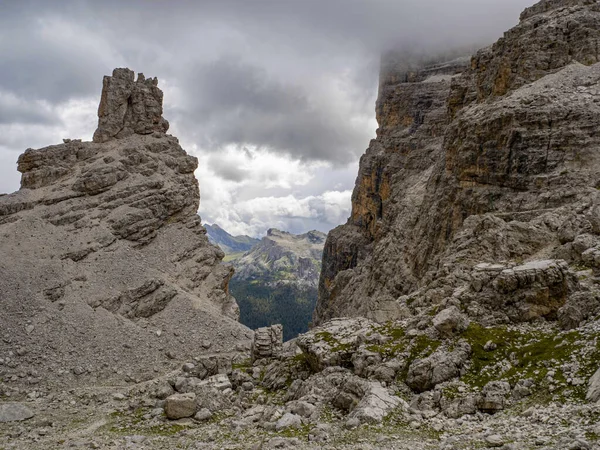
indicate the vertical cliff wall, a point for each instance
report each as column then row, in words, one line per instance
column 495, row 165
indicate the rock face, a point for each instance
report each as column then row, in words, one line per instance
column 104, row 258
column 129, row 107
column 481, row 186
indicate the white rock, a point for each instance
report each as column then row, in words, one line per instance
column 288, row 420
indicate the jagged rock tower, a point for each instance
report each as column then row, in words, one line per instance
column 104, row 260
column 481, row 188
column 129, row 107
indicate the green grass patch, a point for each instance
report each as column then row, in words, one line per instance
column 531, row 355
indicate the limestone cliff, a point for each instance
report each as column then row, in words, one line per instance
column 104, row 259
column 480, row 188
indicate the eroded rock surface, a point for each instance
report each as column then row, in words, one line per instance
column 104, row 260
column 129, row 106
column 481, row 187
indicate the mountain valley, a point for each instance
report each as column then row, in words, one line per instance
column 457, row 308
column 275, row 280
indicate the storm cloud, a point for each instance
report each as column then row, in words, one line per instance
column 254, row 88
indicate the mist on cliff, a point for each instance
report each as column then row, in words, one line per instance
column 275, row 97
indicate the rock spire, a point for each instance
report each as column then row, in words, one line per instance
column 129, row 106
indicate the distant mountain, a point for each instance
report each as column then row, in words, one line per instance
column 233, row 246
column 284, row 258
column 276, row 281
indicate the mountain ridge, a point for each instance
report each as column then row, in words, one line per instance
column 230, row 244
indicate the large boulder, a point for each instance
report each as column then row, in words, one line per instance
column 494, row 396
column 335, row 343
column 14, row 412
column 442, row 365
column 179, row 406
column 376, row 404
column 450, row 321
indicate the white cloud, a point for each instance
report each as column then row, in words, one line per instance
column 73, row 119
column 255, row 216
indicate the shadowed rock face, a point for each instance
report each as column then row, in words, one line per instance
column 495, row 165
column 106, row 246
column 129, row 107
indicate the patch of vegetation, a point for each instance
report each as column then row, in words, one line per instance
column 391, row 330
column 522, row 355
column 335, row 344
column 418, row 347
column 244, row 365
column 301, row 432
column 123, row 423
column 262, row 304
column 422, row 347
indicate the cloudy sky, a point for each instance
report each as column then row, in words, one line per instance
column 275, row 97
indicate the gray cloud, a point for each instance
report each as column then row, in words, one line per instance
column 226, row 170
column 294, row 78
column 15, row 110
column 241, row 104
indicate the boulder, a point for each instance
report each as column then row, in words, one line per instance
column 459, row 406
column 302, row 408
column 335, row 343
column 288, row 420
column 376, row 403
column 494, row 396
column 442, row 365
column 14, row 412
column 203, row 415
column 179, row 406
column 268, row 342
column 593, row 392
column 450, row 321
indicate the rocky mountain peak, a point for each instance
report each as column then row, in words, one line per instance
column 545, row 6
column 106, row 237
column 274, row 232
column 129, row 106
column 551, row 35
column 473, row 168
